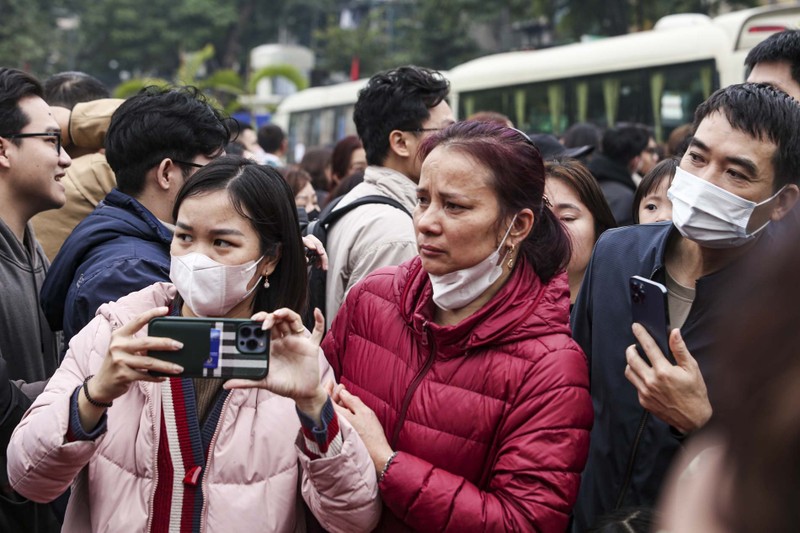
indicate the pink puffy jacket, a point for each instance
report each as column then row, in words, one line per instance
column 251, row 480
column 490, row 417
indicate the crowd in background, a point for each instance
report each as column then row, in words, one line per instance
column 474, row 361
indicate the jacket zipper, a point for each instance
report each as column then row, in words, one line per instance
column 413, row 387
column 204, row 482
column 156, row 441
column 629, row 472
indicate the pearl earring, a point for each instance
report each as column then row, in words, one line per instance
column 266, row 282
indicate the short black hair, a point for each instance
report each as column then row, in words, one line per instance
column 623, row 143
column 261, row 195
column 158, row 123
column 15, row 85
column 397, row 99
column 764, row 113
column 270, row 137
column 778, row 47
column 66, row 89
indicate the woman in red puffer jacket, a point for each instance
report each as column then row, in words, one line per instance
column 457, row 368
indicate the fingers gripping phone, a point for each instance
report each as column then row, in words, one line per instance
column 214, row 347
column 650, row 309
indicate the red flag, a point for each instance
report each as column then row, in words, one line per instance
column 355, row 65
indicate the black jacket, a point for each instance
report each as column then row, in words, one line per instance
column 630, row 450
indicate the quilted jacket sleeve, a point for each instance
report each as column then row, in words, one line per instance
column 41, row 463
column 342, row 490
column 533, row 484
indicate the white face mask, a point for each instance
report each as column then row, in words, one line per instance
column 457, row 289
column 209, row 288
column 710, row 215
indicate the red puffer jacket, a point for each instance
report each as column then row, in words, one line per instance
column 490, row 417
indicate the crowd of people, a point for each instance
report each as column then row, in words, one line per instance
column 473, row 363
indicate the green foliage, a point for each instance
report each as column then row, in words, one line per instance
column 132, row 87
column 286, row 71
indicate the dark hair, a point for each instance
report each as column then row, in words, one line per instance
column 621, row 144
column 764, row 113
column 235, row 148
column 756, row 392
column 626, row 520
column 66, row 89
column 578, row 177
column 778, row 47
column 517, row 173
column 315, row 161
column 397, row 99
column 270, row 137
column 490, row 116
column 297, row 178
column 259, row 194
column 663, row 170
column 15, row 85
column 342, row 154
column 582, row 134
column 345, row 186
column 161, row 123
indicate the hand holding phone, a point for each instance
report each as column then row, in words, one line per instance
column 650, row 309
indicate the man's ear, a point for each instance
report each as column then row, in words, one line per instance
column 167, row 174
column 398, row 143
column 5, row 161
column 785, row 202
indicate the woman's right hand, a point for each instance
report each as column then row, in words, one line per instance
column 127, row 360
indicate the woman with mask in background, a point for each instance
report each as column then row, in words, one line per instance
column 305, row 197
column 457, row 367
column 168, row 454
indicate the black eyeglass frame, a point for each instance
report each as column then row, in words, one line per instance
column 421, row 130
column 56, row 134
column 188, row 163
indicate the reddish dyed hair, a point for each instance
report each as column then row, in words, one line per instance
column 342, row 152
column 517, row 171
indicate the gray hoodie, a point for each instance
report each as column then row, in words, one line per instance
column 27, row 344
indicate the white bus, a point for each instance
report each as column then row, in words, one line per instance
column 654, row 77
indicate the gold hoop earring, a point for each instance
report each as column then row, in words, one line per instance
column 511, row 257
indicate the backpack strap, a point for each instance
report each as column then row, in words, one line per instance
column 331, row 214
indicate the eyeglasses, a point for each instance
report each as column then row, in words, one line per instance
column 188, row 163
column 56, row 135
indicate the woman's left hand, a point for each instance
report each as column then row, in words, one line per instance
column 365, row 422
column 293, row 361
column 314, row 245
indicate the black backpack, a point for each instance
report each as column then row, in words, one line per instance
column 319, row 228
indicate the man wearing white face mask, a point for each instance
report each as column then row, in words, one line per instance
column 738, row 177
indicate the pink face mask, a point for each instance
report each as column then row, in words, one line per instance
column 208, row 287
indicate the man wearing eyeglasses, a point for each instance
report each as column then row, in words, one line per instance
column 395, row 111
column 154, row 142
column 31, row 166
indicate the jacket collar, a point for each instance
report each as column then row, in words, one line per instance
column 393, row 184
column 523, row 308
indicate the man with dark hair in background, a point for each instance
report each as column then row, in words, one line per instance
column 393, row 114
column 776, row 61
column 275, row 144
column 89, row 179
column 738, row 178
column 155, row 141
column 31, row 165
column 613, row 168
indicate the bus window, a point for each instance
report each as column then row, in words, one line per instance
column 676, row 91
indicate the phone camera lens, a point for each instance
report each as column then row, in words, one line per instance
column 636, row 298
column 246, row 331
column 252, row 345
column 259, row 333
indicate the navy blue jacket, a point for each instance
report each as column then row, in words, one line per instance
column 631, row 450
column 119, row 248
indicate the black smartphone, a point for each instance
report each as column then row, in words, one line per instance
column 214, row 347
column 650, row 309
